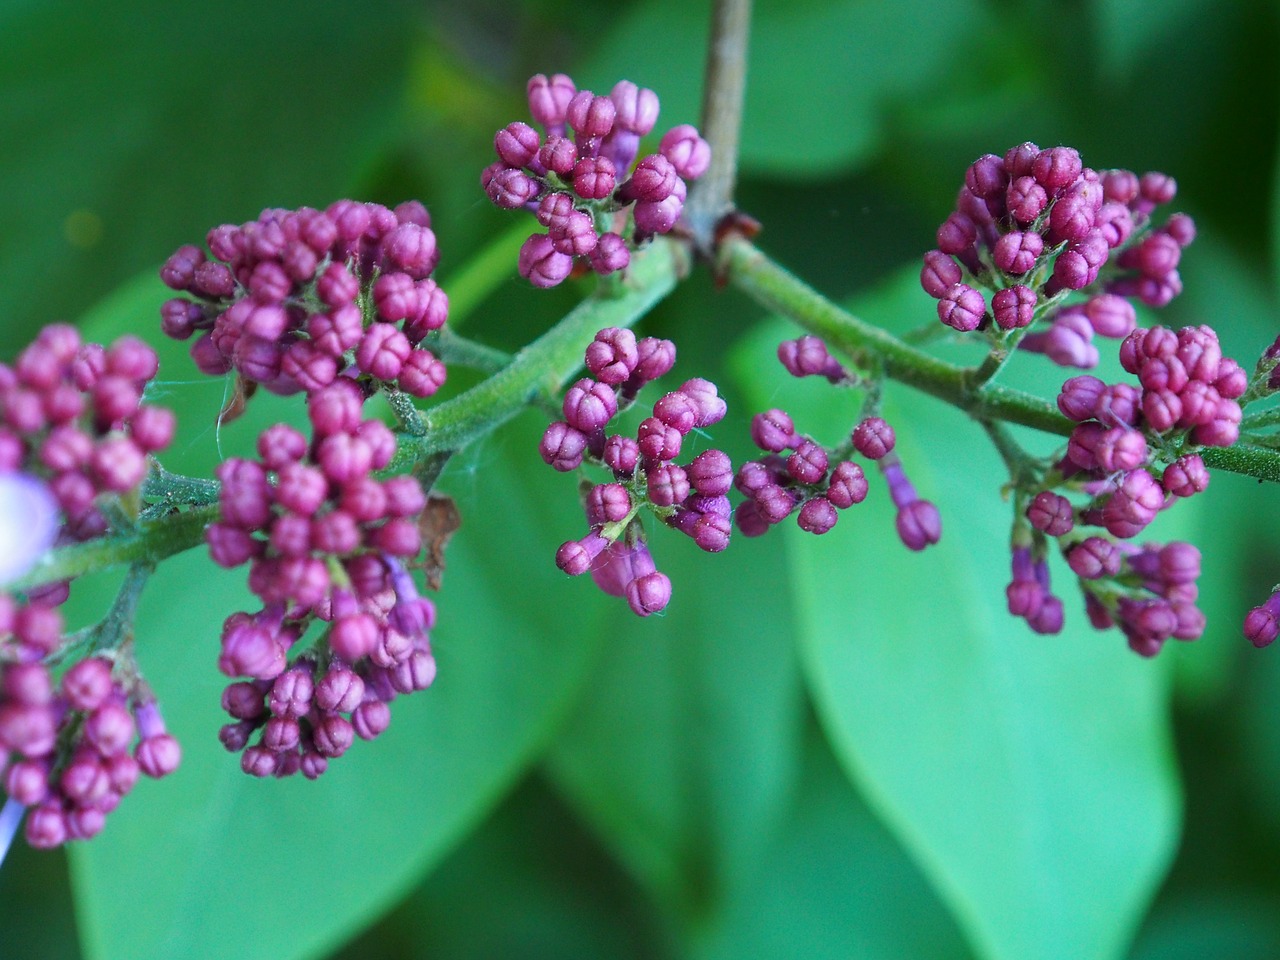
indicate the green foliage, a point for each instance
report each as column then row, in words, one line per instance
column 828, row 747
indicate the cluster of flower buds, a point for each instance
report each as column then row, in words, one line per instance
column 690, row 497
column 326, row 543
column 1149, row 591
column 71, row 414
column 1186, row 395
column 1035, row 226
column 68, row 744
column 581, row 187
column 296, row 298
column 806, row 482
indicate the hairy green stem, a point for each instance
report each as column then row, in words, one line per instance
column 152, row 541
column 751, row 271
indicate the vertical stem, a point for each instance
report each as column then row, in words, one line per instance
column 723, row 93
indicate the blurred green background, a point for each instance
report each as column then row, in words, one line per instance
column 827, row 747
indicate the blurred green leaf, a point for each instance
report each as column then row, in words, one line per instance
column 834, row 885
column 821, row 73
column 131, row 128
column 532, row 882
column 1030, row 776
column 211, row 850
column 685, row 744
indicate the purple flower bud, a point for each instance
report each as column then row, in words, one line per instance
column 956, row 235
column 594, row 178
column 1094, row 557
column 1179, row 563
column 621, row 454
column 303, row 489
column 610, row 254
column 243, row 498
column 370, row 719
column 677, row 410
column 1051, row 513
column 591, row 117
column 710, row 405
column 667, row 485
column 395, row 295
column 962, row 307
column 589, row 405
column 654, row 179
column 243, row 700
column 1071, row 271
column 1025, row 200
column 1186, row 476
column 1013, row 307
column 608, row 503
column 158, row 756
column 1111, row 316
column 1137, row 500
column 1056, row 168
column 809, row 463
column 541, row 263
column 109, row 728
column 817, row 516
column 29, row 683
column 562, row 446
column 1262, row 624
column 611, row 356
column 516, row 144
column 1231, row 381
column 1068, row 341
column 986, row 176
column 773, row 430
column 711, row 473
column 939, row 273
column 847, row 486
column 873, row 438
column 649, row 593
column 918, row 524
column 637, row 108
column 1182, row 228
column 549, row 98
column 1016, row 253
column 654, row 217
column 259, row 762
column 657, row 441
column 1157, row 188
column 292, row 691
column 808, row 356
column 511, row 188
column 558, row 155
column 180, row 268
column 687, row 151
column 250, row 650
column 1120, row 448
column 87, row 684
column 340, row 689
column 656, row 357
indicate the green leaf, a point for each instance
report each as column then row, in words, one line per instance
column 834, row 885
column 1031, row 777
column 806, row 115
column 685, row 744
column 532, row 882
column 132, row 128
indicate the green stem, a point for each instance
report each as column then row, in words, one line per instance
column 1261, row 418
column 153, row 541
column 548, row 362
column 773, row 287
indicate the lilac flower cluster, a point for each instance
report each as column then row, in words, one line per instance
column 1035, row 226
column 296, row 298
column 71, row 414
column 581, row 187
column 68, row 743
column 327, row 544
column 74, row 440
column 1185, row 398
column 806, row 482
column 690, row 497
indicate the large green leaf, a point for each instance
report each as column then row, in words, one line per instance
column 1030, row 776
column 834, row 885
column 684, row 745
column 130, row 128
column 212, row 863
